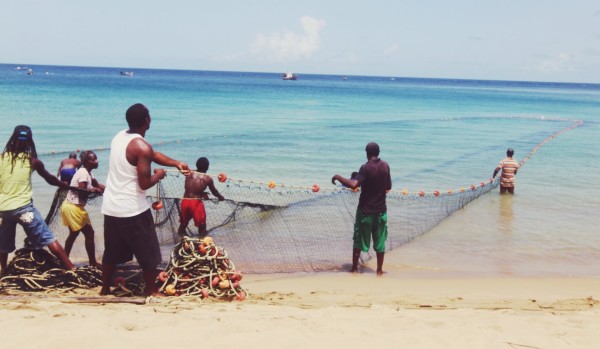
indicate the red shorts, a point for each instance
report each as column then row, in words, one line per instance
column 193, row 209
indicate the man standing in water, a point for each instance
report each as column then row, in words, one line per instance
column 68, row 167
column 509, row 167
column 128, row 227
column 18, row 161
column 375, row 181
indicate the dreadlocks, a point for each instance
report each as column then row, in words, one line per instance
column 21, row 141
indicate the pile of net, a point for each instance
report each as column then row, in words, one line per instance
column 198, row 267
column 38, row 270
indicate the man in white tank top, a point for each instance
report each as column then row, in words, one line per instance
column 128, row 227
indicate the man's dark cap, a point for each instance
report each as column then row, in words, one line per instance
column 372, row 148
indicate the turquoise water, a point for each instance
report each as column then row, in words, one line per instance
column 436, row 134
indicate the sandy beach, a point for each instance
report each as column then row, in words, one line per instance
column 326, row 310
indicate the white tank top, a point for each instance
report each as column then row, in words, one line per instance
column 123, row 196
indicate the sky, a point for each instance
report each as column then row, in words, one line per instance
column 524, row 40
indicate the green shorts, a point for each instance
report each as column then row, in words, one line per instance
column 367, row 225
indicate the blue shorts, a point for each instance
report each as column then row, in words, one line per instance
column 37, row 231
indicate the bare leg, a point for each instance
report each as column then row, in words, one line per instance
column 202, row 230
column 3, row 261
column 107, row 273
column 181, row 230
column 150, row 280
column 380, row 256
column 90, row 245
column 355, row 258
column 58, row 251
column 70, row 241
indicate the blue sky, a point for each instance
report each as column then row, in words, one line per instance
column 530, row 40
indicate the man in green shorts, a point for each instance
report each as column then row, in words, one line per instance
column 371, row 214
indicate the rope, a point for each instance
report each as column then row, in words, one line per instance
column 200, row 268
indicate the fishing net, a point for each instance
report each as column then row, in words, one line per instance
column 272, row 228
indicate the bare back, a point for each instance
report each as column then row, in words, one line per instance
column 196, row 184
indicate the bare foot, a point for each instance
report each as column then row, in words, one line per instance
column 105, row 291
column 379, row 272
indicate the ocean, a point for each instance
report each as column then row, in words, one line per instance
column 436, row 134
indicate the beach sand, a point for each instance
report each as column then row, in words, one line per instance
column 328, row 310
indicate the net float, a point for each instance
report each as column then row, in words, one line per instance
column 202, row 248
column 404, row 191
column 472, row 186
column 204, row 293
column 208, row 241
column 236, row 284
column 163, row 276
column 421, row 193
column 157, row 205
column 436, row 193
column 215, row 281
column 170, row 290
column 491, row 180
column 316, row 188
column 224, row 284
column 222, row 177
column 241, row 296
column 462, row 189
column 120, row 281
column 482, row 184
column 271, row 185
column 355, row 190
column 450, row 191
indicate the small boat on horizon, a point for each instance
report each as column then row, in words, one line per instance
column 289, row 76
column 127, row 73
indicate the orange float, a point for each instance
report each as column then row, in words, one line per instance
column 224, row 284
column 241, row 296
column 271, row 185
column 404, row 191
column 163, row 276
column 202, row 248
column 316, row 188
column 204, row 293
column 120, row 281
column 215, row 281
column 222, row 177
column 157, row 205
column 170, row 290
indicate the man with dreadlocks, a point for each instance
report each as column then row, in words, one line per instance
column 17, row 163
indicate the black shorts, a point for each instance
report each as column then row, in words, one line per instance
column 125, row 237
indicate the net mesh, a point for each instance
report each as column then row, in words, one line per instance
column 270, row 228
column 281, row 229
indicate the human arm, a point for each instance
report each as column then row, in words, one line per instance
column 214, row 191
column 39, row 167
column 349, row 183
column 140, row 154
column 496, row 171
column 98, row 185
column 164, row 160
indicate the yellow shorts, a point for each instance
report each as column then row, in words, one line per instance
column 74, row 216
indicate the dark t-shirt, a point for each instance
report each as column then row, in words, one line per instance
column 375, row 179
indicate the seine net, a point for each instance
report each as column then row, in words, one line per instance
column 281, row 229
column 268, row 228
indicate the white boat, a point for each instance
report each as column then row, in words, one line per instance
column 127, row 73
column 289, row 76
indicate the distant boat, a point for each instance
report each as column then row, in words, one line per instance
column 127, row 73
column 29, row 71
column 344, row 78
column 21, row 68
column 289, row 76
